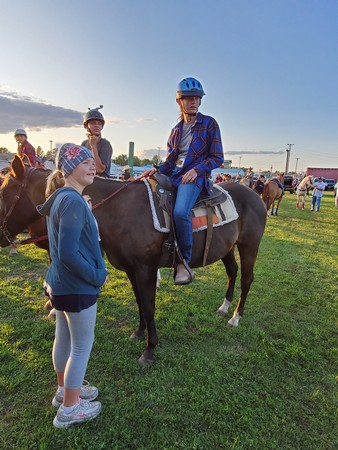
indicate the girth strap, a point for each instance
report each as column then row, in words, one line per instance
column 209, row 234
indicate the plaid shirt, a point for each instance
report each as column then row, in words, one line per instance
column 204, row 154
column 27, row 151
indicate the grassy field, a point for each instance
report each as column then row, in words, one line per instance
column 268, row 384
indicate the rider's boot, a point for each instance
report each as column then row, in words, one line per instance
column 184, row 275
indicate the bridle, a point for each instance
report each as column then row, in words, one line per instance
column 3, row 227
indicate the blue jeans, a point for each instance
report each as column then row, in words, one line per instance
column 186, row 197
column 314, row 199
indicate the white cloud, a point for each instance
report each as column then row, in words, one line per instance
column 259, row 152
column 21, row 111
column 145, row 119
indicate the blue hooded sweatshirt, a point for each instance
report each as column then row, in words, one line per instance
column 77, row 266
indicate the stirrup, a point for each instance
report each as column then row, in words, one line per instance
column 188, row 275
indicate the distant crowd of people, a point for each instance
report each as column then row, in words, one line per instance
column 227, row 178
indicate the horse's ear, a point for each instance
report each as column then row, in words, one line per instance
column 18, row 168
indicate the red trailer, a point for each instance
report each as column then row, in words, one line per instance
column 325, row 172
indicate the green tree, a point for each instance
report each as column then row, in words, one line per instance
column 121, row 160
column 137, row 161
column 51, row 153
column 4, row 150
column 156, row 160
column 145, row 161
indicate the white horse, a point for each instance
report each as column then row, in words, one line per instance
column 302, row 189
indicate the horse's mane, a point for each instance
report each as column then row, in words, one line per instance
column 5, row 179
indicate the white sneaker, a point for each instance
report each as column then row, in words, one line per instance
column 87, row 392
column 82, row 412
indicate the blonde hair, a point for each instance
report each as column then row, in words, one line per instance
column 54, row 181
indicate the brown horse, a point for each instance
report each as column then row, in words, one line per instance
column 272, row 194
column 133, row 245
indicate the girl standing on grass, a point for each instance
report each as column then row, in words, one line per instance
column 73, row 281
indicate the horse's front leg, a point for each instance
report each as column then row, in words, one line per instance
column 231, row 267
column 143, row 280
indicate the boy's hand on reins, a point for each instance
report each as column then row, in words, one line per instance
column 148, row 173
column 189, row 176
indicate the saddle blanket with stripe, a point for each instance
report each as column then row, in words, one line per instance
column 223, row 213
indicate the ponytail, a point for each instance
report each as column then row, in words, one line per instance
column 54, row 182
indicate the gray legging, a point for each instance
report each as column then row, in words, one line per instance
column 74, row 338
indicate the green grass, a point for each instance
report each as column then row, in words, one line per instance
column 268, row 384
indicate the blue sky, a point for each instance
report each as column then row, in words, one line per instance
column 269, row 69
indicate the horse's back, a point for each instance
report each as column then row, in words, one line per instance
column 249, row 205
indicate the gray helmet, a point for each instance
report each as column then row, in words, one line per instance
column 189, row 87
column 93, row 114
column 20, row 131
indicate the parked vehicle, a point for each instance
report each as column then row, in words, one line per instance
column 288, row 184
column 329, row 184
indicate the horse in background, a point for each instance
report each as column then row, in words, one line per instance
column 272, row 194
column 248, row 181
column 302, row 190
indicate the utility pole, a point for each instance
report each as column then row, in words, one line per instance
column 296, row 165
column 131, row 158
column 288, row 151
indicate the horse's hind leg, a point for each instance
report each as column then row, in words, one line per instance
column 231, row 268
column 248, row 256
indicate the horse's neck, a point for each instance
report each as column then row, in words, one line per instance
column 36, row 185
column 304, row 182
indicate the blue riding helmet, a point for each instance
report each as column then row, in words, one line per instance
column 189, row 87
column 93, row 114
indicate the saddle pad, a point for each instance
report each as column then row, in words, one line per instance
column 221, row 214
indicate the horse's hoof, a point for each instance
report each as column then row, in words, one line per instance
column 136, row 337
column 234, row 321
column 145, row 362
column 224, row 308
